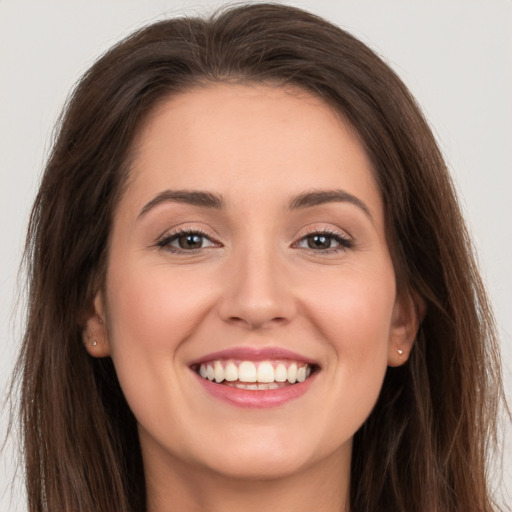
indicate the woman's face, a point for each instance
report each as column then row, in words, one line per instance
column 249, row 246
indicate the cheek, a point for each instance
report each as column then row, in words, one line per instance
column 353, row 308
column 150, row 313
column 354, row 316
column 364, row 321
column 154, row 308
column 352, row 312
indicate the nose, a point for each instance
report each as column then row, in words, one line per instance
column 258, row 291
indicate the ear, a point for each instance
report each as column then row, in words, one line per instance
column 408, row 312
column 95, row 335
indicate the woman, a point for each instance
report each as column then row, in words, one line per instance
column 251, row 285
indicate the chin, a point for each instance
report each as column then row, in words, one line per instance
column 260, row 458
column 257, row 466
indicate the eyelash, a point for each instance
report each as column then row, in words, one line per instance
column 165, row 242
column 343, row 242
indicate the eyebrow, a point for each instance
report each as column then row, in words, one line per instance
column 209, row 200
column 193, row 197
column 319, row 197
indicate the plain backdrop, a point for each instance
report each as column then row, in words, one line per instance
column 455, row 56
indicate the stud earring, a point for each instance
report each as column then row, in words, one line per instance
column 400, row 351
column 94, row 343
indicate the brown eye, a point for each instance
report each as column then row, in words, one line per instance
column 186, row 241
column 319, row 241
column 324, row 242
column 190, row 241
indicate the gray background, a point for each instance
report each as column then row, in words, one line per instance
column 455, row 56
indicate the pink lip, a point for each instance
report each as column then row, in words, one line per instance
column 254, row 354
column 246, row 398
column 256, row 399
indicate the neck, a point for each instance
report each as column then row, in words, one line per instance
column 175, row 485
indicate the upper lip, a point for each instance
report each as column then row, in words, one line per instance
column 254, row 354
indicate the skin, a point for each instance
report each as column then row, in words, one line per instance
column 257, row 283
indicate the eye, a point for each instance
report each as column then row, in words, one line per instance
column 186, row 241
column 324, row 241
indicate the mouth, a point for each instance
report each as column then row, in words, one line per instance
column 255, row 375
column 262, row 378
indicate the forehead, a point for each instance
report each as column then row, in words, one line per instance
column 233, row 139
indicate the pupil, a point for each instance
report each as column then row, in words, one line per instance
column 319, row 242
column 190, row 241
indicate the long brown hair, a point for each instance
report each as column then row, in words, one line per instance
column 425, row 444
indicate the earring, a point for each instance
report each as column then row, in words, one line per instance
column 400, row 351
column 94, row 343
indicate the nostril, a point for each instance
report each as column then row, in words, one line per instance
column 253, row 322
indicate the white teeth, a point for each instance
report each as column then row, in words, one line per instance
column 241, row 385
column 264, row 375
column 218, row 371
column 247, row 372
column 265, row 372
column 231, row 372
column 280, row 373
column 292, row 373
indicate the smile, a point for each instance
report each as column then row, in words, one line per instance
column 255, row 377
column 252, row 375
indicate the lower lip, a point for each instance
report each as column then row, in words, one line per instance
column 258, row 398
